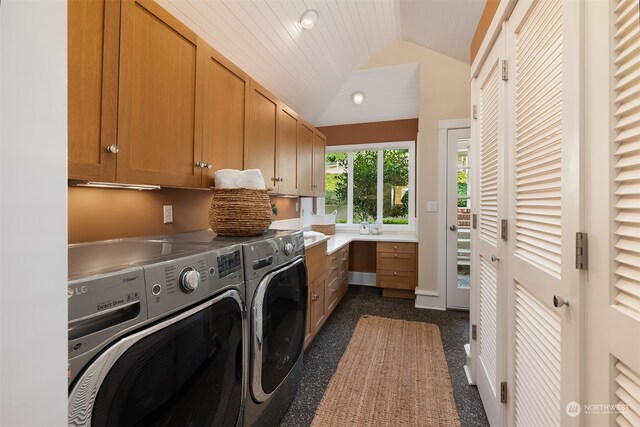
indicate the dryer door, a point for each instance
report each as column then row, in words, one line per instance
column 279, row 313
column 185, row 370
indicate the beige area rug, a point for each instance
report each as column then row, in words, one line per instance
column 393, row 373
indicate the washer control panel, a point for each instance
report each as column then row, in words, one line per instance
column 180, row 282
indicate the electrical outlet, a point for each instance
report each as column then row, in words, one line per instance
column 297, row 206
column 168, row 214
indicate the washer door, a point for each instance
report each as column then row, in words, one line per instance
column 186, row 370
column 279, row 313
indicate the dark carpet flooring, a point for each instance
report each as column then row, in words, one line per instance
column 322, row 357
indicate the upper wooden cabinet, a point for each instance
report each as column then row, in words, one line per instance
column 151, row 103
column 287, row 151
column 260, row 151
column 319, row 144
column 159, row 116
column 93, row 34
column 305, row 159
column 226, row 116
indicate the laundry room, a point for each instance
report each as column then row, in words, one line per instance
column 319, row 213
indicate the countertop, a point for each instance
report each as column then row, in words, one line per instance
column 340, row 239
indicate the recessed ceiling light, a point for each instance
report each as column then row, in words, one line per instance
column 308, row 19
column 357, row 97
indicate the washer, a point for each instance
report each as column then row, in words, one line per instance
column 276, row 290
column 157, row 334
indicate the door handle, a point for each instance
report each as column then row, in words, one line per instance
column 494, row 258
column 560, row 302
column 453, row 227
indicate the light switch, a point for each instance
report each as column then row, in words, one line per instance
column 432, row 206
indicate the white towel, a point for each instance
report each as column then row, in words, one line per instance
column 251, row 178
column 227, row 178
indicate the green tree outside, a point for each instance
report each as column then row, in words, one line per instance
column 395, row 178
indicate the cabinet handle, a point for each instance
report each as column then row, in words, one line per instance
column 202, row 165
column 209, row 165
column 314, row 297
column 395, row 274
column 395, row 255
column 113, row 149
column 395, row 248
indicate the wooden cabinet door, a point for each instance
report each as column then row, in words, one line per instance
column 93, row 43
column 226, row 116
column 308, row 330
column 159, row 123
column 287, row 150
column 318, row 314
column 319, row 143
column 260, row 150
column 305, row 159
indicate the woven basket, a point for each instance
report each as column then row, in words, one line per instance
column 240, row 211
column 324, row 229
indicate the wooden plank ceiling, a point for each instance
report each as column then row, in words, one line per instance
column 307, row 68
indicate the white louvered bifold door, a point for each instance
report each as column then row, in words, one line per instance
column 544, row 212
column 624, row 309
column 488, row 173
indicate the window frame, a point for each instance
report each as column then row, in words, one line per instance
column 379, row 147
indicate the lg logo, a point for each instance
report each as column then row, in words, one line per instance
column 79, row 290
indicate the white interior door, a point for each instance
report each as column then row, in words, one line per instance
column 613, row 191
column 488, row 246
column 458, row 219
column 623, row 314
column 545, row 212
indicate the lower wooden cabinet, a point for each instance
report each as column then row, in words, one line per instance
column 397, row 269
column 328, row 282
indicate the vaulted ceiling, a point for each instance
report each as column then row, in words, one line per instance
column 307, row 68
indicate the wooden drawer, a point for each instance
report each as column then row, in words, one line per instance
column 344, row 284
column 396, row 261
column 316, row 261
column 333, row 260
column 331, row 294
column 343, row 259
column 407, row 248
column 396, row 279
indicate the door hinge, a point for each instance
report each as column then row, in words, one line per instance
column 505, row 70
column 503, row 229
column 503, row 392
column 475, row 111
column 473, row 332
column 582, row 251
column 474, row 221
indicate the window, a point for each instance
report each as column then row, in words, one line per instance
column 371, row 183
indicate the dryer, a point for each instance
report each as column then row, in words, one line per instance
column 276, row 292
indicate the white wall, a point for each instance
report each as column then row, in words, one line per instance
column 445, row 94
column 33, row 212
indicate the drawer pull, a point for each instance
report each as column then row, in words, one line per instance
column 395, row 255
column 395, row 248
column 395, row 274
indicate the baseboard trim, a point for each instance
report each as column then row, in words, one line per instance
column 430, row 300
column 362, row 279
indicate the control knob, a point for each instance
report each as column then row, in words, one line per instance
column 189, row 280
column 288, row 248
